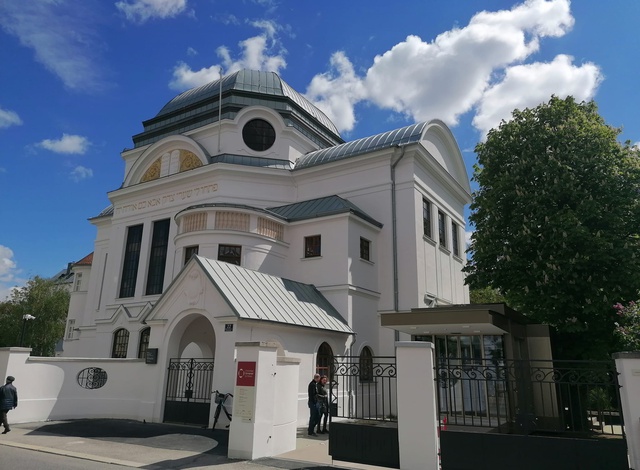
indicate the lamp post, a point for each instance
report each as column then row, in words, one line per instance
column 25, row 318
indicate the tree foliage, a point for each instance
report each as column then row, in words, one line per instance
column 556, row 216
column 43, row 299
column 628, row 325
column 485, row 295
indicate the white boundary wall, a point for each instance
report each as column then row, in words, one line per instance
column 48, row 388
column 628, row 366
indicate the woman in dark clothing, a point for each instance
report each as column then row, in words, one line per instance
column 323, row 400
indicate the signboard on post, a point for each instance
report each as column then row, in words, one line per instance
column 244, row 399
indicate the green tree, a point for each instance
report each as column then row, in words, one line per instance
column 557, row 217
column 48, row 302
column 485, row 295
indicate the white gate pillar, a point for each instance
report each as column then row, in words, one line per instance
column 264, row 402
column 628, row 366
column 417, row 410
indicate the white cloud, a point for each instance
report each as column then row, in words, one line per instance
column 261, row 52
column 9, row 118
column 467, row 238
column 7, row 265
column 70, row 144
column 528, row 85
column 452, row 74
column 337, row 92
column 8, row 271
column 139, row 11
column 184, row 78
column 80, row 173
column 62, row 36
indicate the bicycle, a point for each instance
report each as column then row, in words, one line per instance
column 220, row 399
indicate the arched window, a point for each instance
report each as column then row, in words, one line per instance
column 366, row 365
column 143, row 345
column 324, row 360
column 120, row 343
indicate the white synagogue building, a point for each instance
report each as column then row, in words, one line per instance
column 243, row 217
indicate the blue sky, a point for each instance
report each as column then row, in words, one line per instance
column 78, row 77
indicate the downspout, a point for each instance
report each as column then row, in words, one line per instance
column 395, row 232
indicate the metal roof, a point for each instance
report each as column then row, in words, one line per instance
column 405, row 135
column 256, row 81
column 251, row 161
column 258, row 296
column 320, row 207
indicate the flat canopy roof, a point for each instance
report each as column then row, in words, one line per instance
column 487, row 319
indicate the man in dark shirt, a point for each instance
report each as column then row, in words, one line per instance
column 314, row 413
column 8, row 401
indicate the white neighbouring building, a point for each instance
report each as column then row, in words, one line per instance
column 250, row 220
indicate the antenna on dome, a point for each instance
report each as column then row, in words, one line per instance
column 220, row 111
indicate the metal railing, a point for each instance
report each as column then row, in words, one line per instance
column 534, row 396
column 363, row 388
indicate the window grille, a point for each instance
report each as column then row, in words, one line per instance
column 120, row 343
column 232, row 221
column 194, row 222
column 270, row 228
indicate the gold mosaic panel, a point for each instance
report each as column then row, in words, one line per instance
column 188, row 160
column 153, row 172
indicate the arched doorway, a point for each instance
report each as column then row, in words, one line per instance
column 190, row 372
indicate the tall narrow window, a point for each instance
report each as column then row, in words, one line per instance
column 120, row 343
column 426, row 218
column 366, row 365
column 312, row 247
column 442, row 229
column 71, row 325
column 189, row 252
column 324, row 360
column 454, row 239
column 143, row 345
column 131, row 260
column 230, row 254
column 365, row 246
column 158, row 257
column 78, row 282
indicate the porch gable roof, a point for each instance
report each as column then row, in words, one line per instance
column 254, row 295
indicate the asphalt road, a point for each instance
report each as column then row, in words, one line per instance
column 24, row 459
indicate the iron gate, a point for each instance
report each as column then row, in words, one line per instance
column 188, row 397
column 529, row 414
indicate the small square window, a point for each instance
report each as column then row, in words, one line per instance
column 189, row 251
column 365, row 249
column 230, row 254
column 312, row 246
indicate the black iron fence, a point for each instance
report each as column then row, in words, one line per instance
column 534, row 396
column 363, row 388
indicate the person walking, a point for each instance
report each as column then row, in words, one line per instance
column 8, row 401
column 323, row 401
column 314, row 415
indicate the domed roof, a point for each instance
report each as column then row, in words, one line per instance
column 199, row 106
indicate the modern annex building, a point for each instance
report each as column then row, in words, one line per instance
column 243, row 216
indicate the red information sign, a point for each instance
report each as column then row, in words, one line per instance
column 246, row 376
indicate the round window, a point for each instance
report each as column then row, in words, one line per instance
column 92, row 378
column 259, row 135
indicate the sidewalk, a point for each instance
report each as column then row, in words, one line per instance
column 157, row 446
